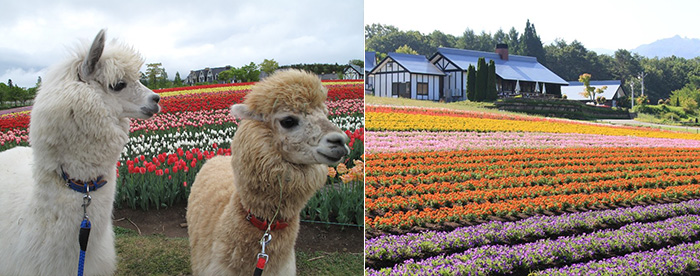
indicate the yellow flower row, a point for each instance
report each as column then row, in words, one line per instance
column 233, row 88
column 206, row 90
column 406, row 122
column 15, row 113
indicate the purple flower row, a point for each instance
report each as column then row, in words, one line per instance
column 395, row 248
column 412, row 141
column 674, row 260
column 504, row 259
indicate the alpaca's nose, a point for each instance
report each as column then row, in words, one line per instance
column 337, row 138
column 156, row 98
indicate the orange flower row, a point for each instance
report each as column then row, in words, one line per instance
column 457, row 212
column 590, row 174
column 440, row 199
column 520, row 162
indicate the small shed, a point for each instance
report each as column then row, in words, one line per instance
column 611, row 94
column 407, row 76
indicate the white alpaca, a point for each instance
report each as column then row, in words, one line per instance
column 282, row 147
column 79, row 125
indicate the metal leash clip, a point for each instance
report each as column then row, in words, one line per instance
column 87, row 199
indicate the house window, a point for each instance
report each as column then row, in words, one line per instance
column 422, row 88
column 395, row 89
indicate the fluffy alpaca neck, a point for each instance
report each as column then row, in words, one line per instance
column 261, row 174
column 82, row 139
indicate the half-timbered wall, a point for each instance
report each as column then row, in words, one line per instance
column 433, row 87
column 454, row 81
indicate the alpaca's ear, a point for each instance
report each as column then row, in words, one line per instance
column 241, row 111
column 89, row 65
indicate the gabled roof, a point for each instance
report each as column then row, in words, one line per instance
column 517, row 67
column 415, row 64
column 573, row 91
column 356, row 69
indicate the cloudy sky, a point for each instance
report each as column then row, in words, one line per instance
column 597, row 24
column 183, row 35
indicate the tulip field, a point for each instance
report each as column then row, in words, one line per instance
column 453, row 192
column 164, row 153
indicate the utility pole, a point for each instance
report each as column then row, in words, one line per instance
column 632, row 87
column 641, row 77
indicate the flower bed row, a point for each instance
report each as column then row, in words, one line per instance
column 682, row 259
column 395, row 248
column 504, row 259
column 398, row 121
column 454, row 166
column 411, row 141
column 439, row 199
column 477, row 211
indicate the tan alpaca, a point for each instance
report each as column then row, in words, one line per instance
column 282, row 146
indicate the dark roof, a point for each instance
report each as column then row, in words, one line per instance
column 415, row 64
column 517, row 67
column 356, row 68
column 370, row 61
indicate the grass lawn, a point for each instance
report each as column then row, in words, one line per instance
column 464, row 105
column 160, row 255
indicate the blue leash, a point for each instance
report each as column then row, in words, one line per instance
column 83, row 239
column 85, row 225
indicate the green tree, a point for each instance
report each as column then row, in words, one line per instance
column 588, row 90
column 491, row 93
column 227, row 76
column 154, row 75
column 3, row 93
column 471, row 83
column 177, row 82
column 405, row 49
column 531, row 44
column 269, row 65
column 481, row 80
column 357, row 62
column 252, row 72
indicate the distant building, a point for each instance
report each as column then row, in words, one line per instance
column 370, row 62
column 514, row 74
column 444, row 75
column 407, row 76
column 353, row 72
column 612, row 94
column 210, row 75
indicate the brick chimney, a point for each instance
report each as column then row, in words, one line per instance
column 502, row 50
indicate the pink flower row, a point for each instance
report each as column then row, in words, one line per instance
column 345, row 107
column 14, row 136
column 163, row 121
column 414, row 141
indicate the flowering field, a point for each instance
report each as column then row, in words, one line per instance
column 452, row 192
column 164, row 153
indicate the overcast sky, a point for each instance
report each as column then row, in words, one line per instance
column 183, row 35
column 597, row 24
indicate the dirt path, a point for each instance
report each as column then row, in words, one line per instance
column 312, row 237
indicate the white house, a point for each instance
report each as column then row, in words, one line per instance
column 407, row 76
column 205, row 75
column 353, row 72
column 612, row 93
column 514, row 74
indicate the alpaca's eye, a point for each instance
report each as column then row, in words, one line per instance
column 289, row 122
column 118, row 87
